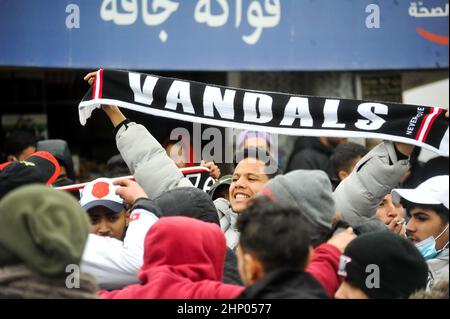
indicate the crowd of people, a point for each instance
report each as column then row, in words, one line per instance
column 343, row 221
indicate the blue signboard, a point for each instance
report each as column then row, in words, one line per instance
column 225, row 34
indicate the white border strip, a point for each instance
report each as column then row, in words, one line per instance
column 97, row 84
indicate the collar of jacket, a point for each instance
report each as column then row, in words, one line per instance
column 286, row 283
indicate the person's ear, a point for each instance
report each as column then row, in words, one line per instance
column 253, row 269
column 342, row 175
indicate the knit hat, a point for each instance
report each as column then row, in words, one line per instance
column 402, row 269
column 308, row 190
column 39, row 167
column 43, row 228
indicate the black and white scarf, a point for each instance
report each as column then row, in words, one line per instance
column 271, row 112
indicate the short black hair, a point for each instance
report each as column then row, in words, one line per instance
column 116, row 167
column 344, row 154
column 440, row 209
column 277, row 235
column 272, row 168
column 17, row 141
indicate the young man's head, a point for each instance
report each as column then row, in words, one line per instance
column 344, row 159
column 381, row 265
column 388, row 210
column 19, row 145
column 427, row 207
column 254, row 169
column 310, row 191
column 60, row 150
column 272, row 237
column 107, row 211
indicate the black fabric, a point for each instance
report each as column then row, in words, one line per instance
column 124, row 122
column 285, row 284
column 369, row 226
column 231, row 273
column 312, row 154
column 402, row 269
column 18, row 174
column 189, row 202
column 147, row 204
column 298, row 115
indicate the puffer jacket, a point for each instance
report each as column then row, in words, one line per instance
column 376, row 174
column 438, row 269
column 148, row 161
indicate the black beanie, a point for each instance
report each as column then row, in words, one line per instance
column 402, row 269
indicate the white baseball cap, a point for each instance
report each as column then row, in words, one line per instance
column 101, row 192
column 433, row 191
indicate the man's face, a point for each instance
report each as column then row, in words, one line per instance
column 105, row 222
column 387, row 210
column 425, row 223
column 248, row 179
column 348, row 291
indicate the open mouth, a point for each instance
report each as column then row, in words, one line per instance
column 241, row 197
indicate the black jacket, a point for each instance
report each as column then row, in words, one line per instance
column 309, row 153
column 285, row 284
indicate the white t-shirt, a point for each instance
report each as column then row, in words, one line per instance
column 114, row 263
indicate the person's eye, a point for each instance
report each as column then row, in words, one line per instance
column 421, row 218
column 113, row 218
column 94, row 221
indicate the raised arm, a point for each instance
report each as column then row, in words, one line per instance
column 145, row 157
column 376, row 174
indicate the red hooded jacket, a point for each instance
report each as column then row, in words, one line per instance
column 183, row 259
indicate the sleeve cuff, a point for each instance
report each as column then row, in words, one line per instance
column 125, row 123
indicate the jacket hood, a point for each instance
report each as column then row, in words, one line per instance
column 60, row 150
column 189, row 202
column 183, row 259
column 191, row 248
column 308, row 190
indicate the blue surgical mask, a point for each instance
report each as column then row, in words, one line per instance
column 427, row 247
